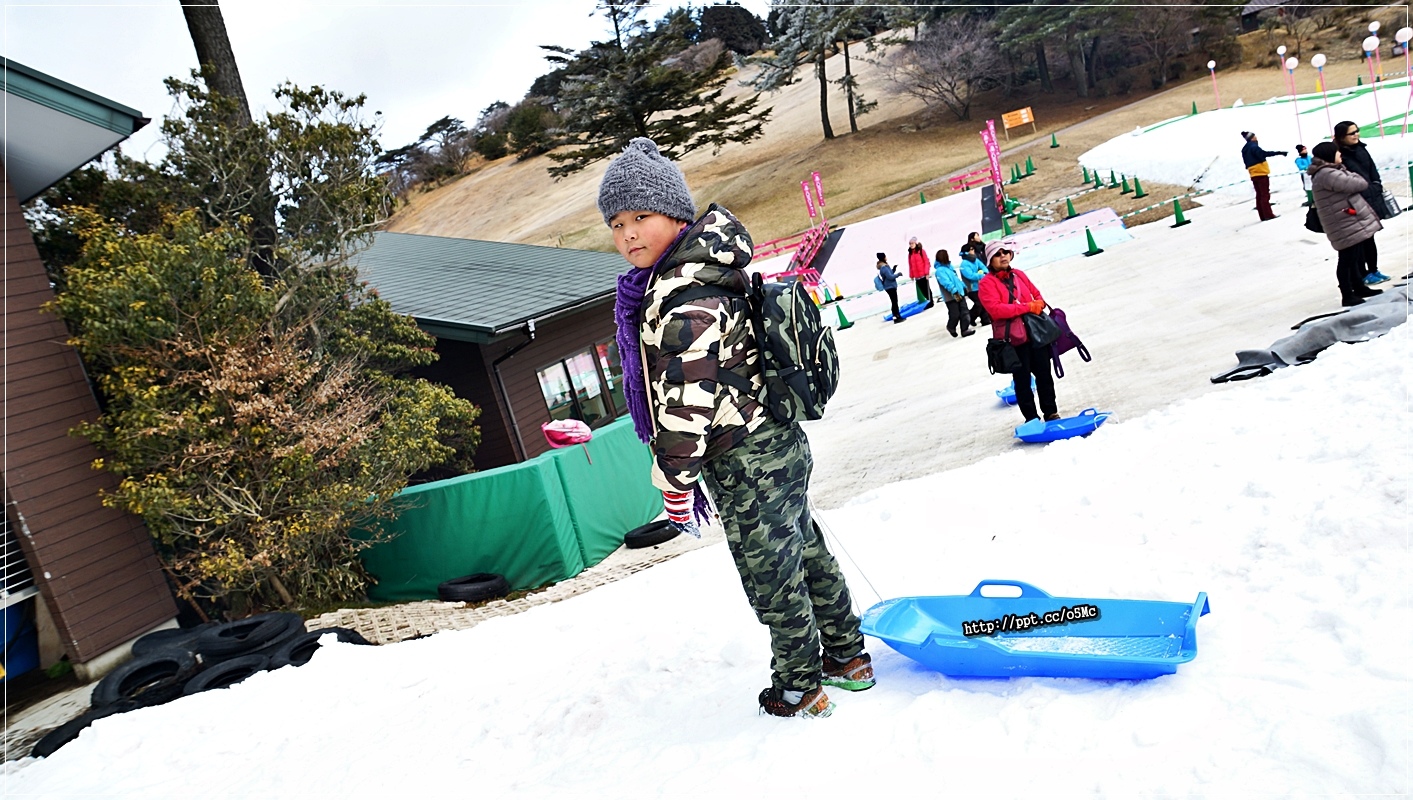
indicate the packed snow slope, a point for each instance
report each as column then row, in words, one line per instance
column 1204, row 150
column 1285, row 498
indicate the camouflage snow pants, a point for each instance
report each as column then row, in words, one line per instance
column 790, row 578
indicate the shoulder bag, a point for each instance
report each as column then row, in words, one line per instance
column 1391, row 205
column 1312, row 221
column 1001, row 355
column 1040, row 329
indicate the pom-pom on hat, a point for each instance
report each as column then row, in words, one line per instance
column 642, row 179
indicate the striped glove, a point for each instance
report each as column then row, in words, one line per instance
column 679, row 512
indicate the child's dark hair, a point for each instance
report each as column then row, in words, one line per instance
column 942, row 257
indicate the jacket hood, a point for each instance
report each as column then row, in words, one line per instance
column 1317, row 164
column 714, row 250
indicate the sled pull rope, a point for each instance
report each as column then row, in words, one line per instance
column 830, row 535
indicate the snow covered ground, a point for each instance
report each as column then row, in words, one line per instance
column 1204, row 151
column 1284, row 498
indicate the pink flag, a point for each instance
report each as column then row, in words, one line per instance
column 993, row 154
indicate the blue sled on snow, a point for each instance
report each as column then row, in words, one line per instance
column 1039, row 635
column 1083, row 424
column 1008, row 394
column 907, row 311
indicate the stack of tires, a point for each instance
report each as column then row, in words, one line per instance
column 175, row 662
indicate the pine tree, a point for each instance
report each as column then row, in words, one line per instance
column 1076, row 29
column 647, row 82
column 807, row 33
column 736, row 27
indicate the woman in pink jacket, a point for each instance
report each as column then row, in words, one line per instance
column 919, row 269
column 1006, row 294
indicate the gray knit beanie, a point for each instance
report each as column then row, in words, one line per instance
column 642, row 179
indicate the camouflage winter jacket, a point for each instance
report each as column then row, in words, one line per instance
column 695, row 417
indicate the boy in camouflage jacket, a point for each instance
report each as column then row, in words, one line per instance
column 681, row 331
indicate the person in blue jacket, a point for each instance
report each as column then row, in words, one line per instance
column 972, row 273
column 887, row 280
column 1302, row 163
column 954, row 294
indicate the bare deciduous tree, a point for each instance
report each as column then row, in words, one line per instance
column 1161, row 29
column 952, row 62
column 1302, row 22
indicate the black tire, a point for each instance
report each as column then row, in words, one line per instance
column 147, row 681
column 227, row 673
column 297, row 651
column 650, row 534
column 474, row 588
column 70, row 730
column 169, row 639
column 245, row 636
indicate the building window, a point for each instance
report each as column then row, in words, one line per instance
column 588, row 389
column 554, row 385
column 587, row 385
column 613, row 373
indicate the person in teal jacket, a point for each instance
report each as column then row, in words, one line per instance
column 954, row 294
column 972, row 273
column 1302, row 163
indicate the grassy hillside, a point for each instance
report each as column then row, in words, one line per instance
column 901, row 148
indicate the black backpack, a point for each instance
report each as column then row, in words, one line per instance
column 800, row 363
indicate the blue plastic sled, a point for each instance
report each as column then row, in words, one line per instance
column 1104, row 639
column 1083, row 424
column 1008, row 394
column 907, row 311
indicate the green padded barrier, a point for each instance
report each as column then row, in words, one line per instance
column 512, row 520
column 612, row 495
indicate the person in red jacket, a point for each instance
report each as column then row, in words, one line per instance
column 1006, row 294
column 920, row 270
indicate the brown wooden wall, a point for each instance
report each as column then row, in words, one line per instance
column 467, row 369
column 462, row 367
column 555, row 339
column 94, row 566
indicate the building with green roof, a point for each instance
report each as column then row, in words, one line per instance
column 524, row 332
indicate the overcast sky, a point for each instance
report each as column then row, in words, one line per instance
column 416, row 61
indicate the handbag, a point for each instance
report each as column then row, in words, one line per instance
column 1001, row 356
column 1312, row 221
column 1391, row 205
column 1067, row 342
column 1040, row 329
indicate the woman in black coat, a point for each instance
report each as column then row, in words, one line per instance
column 1356, row 158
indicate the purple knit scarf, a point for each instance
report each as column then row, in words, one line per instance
column 632, row 287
